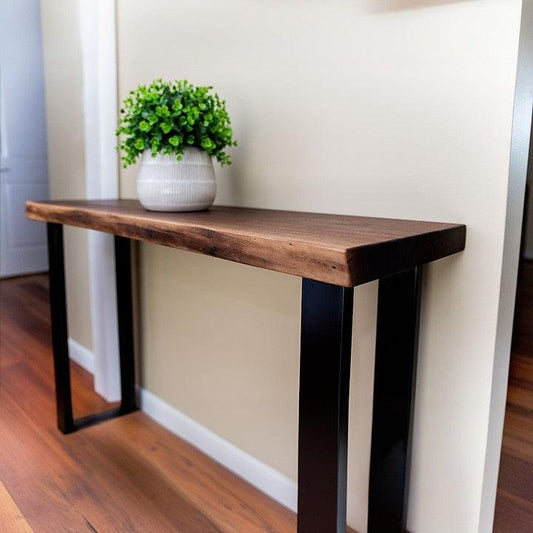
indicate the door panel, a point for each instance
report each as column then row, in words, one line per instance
column 23, row 164
column 21, row 232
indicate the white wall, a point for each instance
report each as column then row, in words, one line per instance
column 397, row 109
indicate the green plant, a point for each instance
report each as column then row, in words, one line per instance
column 169, row 116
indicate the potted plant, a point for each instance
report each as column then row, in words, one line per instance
column 176, row 129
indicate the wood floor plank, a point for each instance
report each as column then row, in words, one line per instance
column 11, row 518
column 520, row 398
column 516, row 475
column 513, row 514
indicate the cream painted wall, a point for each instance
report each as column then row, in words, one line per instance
column 388, row 108
column 66, row 157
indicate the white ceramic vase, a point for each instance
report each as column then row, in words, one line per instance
column 166, row 184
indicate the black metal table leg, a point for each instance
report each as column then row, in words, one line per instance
column 326, row 337
column 125, row 323
column 58, row 312
column 394, row 377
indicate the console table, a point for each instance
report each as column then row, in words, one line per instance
column 332, row 254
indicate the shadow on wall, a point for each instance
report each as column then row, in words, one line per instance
column 381, row 6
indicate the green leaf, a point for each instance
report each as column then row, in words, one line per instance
column 144, row 126
column 166, row 126
column 206, row 143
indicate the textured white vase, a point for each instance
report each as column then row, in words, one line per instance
column 166, row 184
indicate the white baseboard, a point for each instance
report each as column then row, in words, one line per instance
column 279, row 487
column 81, row 355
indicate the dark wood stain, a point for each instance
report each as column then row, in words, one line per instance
column 338, row 249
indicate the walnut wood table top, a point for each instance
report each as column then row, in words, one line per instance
column 337, row 249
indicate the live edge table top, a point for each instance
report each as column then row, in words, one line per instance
column 338, row 249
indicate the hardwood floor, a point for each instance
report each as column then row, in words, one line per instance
column 130, row 474
column 124, row 475
column 514, row 503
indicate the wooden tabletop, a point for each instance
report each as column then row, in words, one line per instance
column 338, row 249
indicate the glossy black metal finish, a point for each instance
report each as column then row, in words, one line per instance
column 326, row 336
column 58, row 312
column 125, row 323
column 394, row 378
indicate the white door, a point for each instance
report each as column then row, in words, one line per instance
column 23, row 161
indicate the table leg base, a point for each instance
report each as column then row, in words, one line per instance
column 324, row 393
column 58, row 312
column 92, row 420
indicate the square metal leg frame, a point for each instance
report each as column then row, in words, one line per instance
column 326, row 337
column 58, row 310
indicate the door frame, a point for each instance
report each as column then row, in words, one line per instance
column 99, row 58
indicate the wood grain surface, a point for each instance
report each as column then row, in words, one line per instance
column 11, row 518
column 337, row 249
